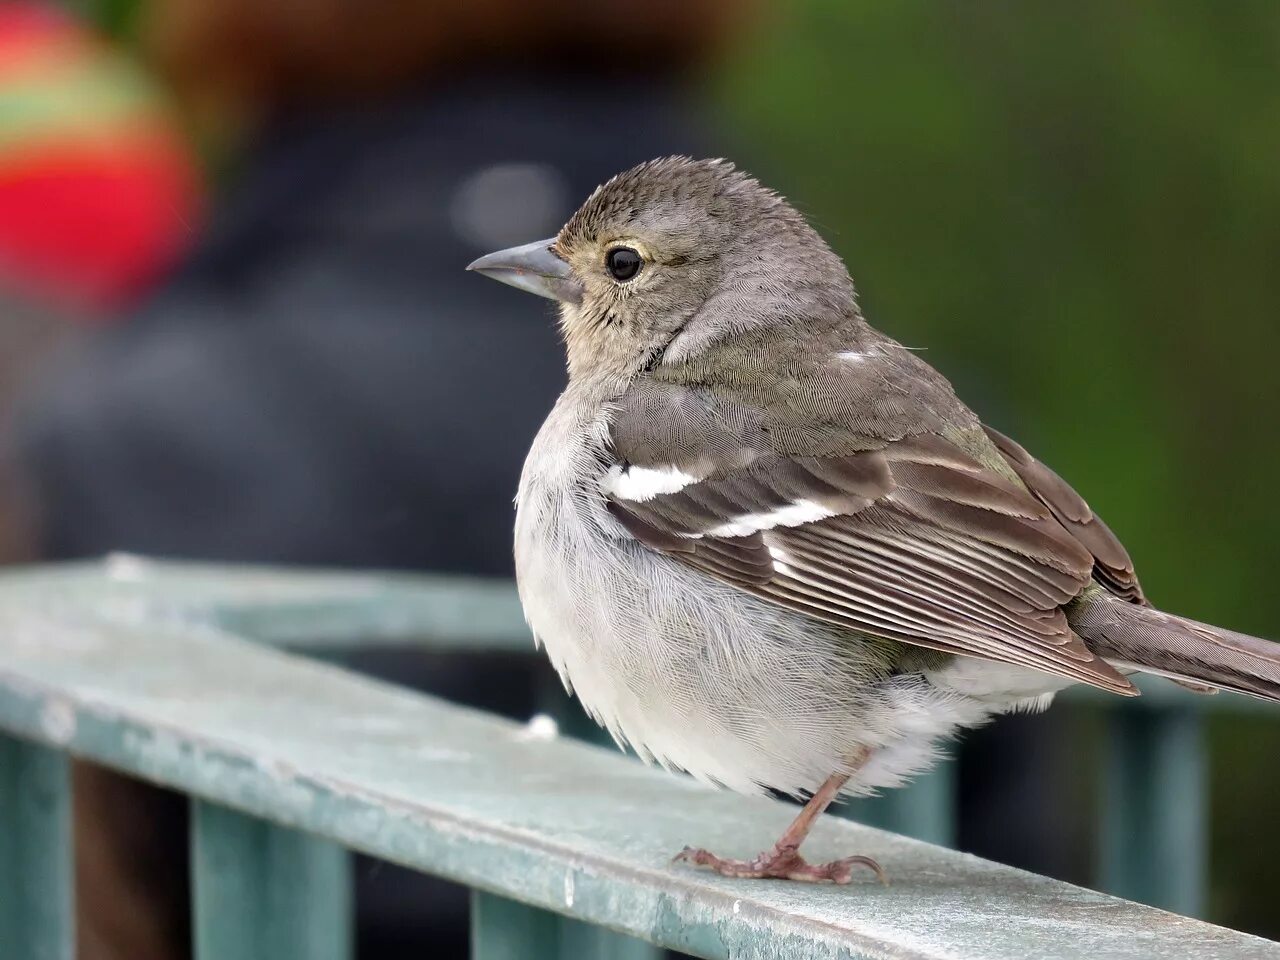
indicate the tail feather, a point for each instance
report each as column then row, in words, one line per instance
column 1146, row 639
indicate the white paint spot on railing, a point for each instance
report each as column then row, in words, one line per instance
column 540, row 728
column 58, row 721
column 126, row 567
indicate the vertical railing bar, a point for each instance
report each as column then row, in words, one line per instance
column 264, row 892
column 1153, row 840
column 37, row 920
column 503, row 929
column 575, row 938
column 579, row 940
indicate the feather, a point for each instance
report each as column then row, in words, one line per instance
column 1112, row 566
column 915, row 541
column 1185, row 650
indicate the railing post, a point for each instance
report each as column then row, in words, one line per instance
column 263, row 892
column 579, row 940
column 37, row 919
column 503, row 929
column 1155, row 808
column 574, row 938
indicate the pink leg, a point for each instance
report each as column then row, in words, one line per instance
column 784, row 860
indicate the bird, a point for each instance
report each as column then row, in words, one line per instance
column 767, row 545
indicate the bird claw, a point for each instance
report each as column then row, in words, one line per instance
column 782, row 863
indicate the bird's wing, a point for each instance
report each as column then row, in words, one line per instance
column 1111, row 564
column 913, row 538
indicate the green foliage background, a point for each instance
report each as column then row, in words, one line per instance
column 1076, row 208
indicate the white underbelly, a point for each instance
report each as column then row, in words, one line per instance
column 1003, row 685
column 694, row 673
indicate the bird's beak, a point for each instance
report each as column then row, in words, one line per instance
column 533, row 267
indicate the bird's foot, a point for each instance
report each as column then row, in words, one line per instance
column 783, row 863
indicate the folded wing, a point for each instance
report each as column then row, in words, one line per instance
column 913, row 539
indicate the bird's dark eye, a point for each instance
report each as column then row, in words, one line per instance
column 623, row 263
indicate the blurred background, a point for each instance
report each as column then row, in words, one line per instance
column 234, row 323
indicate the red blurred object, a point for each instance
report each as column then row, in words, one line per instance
column 98, row 189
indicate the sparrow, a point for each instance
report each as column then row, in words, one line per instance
column 768, row 545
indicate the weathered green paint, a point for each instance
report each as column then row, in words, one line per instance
column 577, row 940
column 503, row 929
column 288, row 607
column 556, row 824
column 36, row 913
column 1155, row 808
column 263, row 892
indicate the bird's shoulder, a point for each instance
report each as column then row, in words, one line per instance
column 842, row 392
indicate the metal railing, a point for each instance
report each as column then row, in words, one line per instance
column 170, row 672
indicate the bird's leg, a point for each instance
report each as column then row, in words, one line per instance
column 784, row 860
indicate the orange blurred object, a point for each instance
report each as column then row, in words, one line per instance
column 98, row 188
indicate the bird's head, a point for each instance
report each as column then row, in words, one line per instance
column 673, row 258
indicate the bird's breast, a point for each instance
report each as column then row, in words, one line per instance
column 690, row 671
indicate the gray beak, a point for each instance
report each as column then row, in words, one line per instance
column 534, row 268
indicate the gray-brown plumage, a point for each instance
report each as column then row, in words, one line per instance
column 769, row 545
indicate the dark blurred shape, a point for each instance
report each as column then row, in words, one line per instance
column 97, row 188
column 234, row 57
column 132, row 898
column 320, row 382
column 29, row 331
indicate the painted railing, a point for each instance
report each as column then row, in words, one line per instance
column 174, row 673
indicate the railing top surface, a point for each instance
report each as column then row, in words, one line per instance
column 283, row 605
column 341, row 609
column 555, row 823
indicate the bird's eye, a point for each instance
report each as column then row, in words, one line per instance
column 623, row 263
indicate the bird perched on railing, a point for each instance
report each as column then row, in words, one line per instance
column 768, row 545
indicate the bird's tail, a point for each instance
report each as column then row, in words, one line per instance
column 1142, row 638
